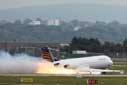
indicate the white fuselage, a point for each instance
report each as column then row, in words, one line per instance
column 97, row 62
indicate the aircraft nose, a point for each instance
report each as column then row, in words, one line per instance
column 110, row 63
column 109, row 60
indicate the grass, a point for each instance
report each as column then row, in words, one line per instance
column 119, row 67
column 119, row 59
column 119, row 64
column 54, row 80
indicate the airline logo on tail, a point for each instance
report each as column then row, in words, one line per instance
column 46, row 55
column 50, row 54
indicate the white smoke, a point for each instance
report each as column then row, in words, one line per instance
column 18, row 63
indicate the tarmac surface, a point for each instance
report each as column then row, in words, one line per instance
column 73, row 75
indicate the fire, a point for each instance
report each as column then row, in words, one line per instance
column 48, row 68
column 45, row 67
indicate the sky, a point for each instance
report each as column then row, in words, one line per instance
column 5, row 4
column 93, row 10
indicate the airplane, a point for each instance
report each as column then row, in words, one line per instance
column 94, row 64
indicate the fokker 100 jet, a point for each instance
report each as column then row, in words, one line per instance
column 94, row 64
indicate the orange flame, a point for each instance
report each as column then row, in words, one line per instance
column 48, row 68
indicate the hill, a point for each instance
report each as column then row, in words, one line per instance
column 113, row 31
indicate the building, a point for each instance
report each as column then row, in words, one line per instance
column 55, row 22
column 79, row 52
column 35, row 23
column 33, row 49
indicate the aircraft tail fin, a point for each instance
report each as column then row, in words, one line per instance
column 50, row 54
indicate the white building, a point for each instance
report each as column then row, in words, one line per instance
column 35, row 23
column 77, row 28
column 55, row 22
column 79, row 52
column 64, row 44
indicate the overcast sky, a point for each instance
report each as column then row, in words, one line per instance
column 4, row 4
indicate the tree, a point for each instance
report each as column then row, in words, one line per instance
column 17, row 22
column 27, row 21
column 124, row 46
column 90, row 45
column 108, row 46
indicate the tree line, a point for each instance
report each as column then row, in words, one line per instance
column 95, row 45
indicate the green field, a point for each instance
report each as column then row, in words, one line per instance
column 54, row 80
column 119, row 67
column 119, row 61
column 119, row 64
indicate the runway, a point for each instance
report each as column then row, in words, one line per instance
column 51, row 79
column 71, row 75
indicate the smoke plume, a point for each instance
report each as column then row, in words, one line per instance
column 18, row 63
